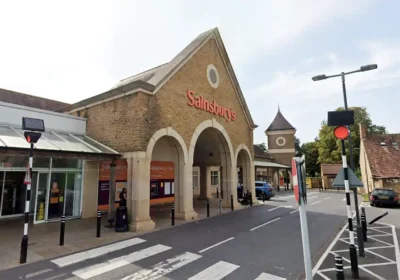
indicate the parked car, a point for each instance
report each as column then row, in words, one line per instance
column 384, row 197
column 264, row 190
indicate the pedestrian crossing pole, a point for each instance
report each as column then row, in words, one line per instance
column 31, row 136
column 24, row 242
column 352, row 247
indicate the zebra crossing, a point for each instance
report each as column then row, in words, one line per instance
column 127, row 266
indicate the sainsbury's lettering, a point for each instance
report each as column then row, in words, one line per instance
column 211, row 107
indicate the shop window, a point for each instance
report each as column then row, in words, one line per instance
column 214, row 178
column 167, row 188
column 153, row 190
column 66, row 163
column 195, row 179
column 12, row 161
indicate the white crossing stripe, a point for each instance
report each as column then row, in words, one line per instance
column 164, row 267
column 267, row 276
column 216, row 271
column 115, row 263
column 93, row 253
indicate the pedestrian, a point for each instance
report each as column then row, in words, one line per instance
column 122, row 198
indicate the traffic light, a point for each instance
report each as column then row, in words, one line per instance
column 32, row 137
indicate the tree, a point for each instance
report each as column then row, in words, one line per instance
column 297, row 146
column 262, row 146
column 329, row 148
column 310, row 151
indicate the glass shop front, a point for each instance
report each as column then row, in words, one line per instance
column 56, row 187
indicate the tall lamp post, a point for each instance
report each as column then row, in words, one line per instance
column 342, row 75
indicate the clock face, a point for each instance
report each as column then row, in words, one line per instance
column 280, row 141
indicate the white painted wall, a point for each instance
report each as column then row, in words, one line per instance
column 12, row 114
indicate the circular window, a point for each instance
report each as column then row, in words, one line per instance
column 280, row 141
column 212, row 76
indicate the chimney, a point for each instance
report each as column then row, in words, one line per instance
column 363, row 132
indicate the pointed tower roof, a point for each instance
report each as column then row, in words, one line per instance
column 280, row 123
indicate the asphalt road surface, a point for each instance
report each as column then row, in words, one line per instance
column 262, row 242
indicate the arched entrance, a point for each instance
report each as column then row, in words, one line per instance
column 245, row 168
column 169, row 171
column 211, row 155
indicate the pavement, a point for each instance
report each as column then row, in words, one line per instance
column 259, row 242
column 382, row 254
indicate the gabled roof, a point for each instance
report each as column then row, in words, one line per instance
column 27, row 100
column 331, row 168
column 259, row 153
column 383, row 154
column 152, row 80
column 279, row 123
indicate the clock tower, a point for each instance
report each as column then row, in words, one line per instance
column 281, row 141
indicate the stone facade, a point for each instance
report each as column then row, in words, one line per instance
column 127, row 124
column 159, row 123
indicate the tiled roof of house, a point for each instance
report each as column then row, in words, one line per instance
column 280, row 123
column 383, row 153
column 23, row 99
column 259, row 153
column 330, row 168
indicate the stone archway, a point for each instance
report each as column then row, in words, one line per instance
column 223, row 157
column 168, row 145
column 244, row 161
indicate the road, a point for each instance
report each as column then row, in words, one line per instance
column 260, row 242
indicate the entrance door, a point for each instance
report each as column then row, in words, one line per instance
column 56, row 195
column 14, row 192
column 40, row 199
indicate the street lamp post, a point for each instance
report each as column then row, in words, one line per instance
column 342, row 75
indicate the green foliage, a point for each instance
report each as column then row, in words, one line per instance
column 329, row 147
column 310, row 151
column 297, row 147
column 262, row 146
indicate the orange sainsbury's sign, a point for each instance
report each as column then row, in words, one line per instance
column 211, row 107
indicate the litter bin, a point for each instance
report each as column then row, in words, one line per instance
column 121, row 221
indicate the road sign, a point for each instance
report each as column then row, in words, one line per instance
column 295, row 180
column 27, row 179
column 353, row 179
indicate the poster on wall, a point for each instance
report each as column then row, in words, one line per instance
column 162, row 170
column 121, row 178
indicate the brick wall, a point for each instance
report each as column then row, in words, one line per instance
column 126, row 124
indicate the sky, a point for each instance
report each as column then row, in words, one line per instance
column 71, row 50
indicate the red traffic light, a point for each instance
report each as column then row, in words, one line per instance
column 32, row 137
column 341, row 132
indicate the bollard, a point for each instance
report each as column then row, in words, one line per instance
column 220, row 206
column 354, row 262
column 364, row 224
column 98, row 223
column 263, row 197
column 339, row 267
column 173, row 214
column 251, row 199
column 378, row 218
column 62, row 230
column 208, row 208
column 231, row 202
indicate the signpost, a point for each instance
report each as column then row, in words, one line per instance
column 31, row 137
column 300, row 192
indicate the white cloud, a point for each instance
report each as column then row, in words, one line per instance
column 295, row 88
column 75, row 49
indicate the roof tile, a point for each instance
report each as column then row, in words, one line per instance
column 384, row 160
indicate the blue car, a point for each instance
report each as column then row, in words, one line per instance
column 264, row 190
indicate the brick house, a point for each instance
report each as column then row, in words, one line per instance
column 328, row 173
column 275, row 164
column 189, row 113
column 379, row 160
